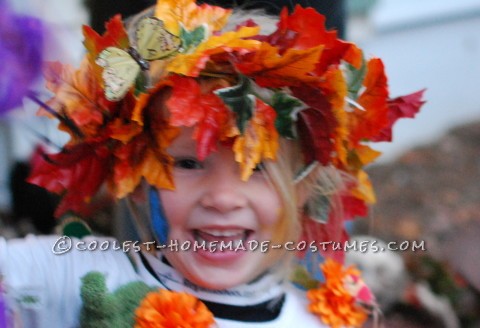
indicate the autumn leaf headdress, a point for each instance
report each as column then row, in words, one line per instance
column 299, row 82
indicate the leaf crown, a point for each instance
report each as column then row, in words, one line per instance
column 299, row 82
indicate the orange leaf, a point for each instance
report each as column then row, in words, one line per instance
column 367, row 123
column 187, row 12
column 77, row 94
column 259, row 141
column 270, row 69
column 192, row 64
column 114, row 36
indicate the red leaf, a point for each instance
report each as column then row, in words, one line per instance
column 114, row 36
column 304, row 29
column 210, row 116
column 186, row 91
column 76, row 173
column 209, row 130
column 400, row 107
column 367, row 123
column 315, row 125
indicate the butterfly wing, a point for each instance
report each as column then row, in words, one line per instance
column 154, row 41
column 119, row 73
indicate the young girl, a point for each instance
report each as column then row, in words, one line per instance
column 245, row 148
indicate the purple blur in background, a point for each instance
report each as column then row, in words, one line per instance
column 3, row 309
column 21, row 47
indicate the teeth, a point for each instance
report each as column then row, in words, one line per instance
column 223, row 233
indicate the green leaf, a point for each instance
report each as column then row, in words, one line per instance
column 285, row 106
column 192, row 39
column 240, row 100
column 355, row 79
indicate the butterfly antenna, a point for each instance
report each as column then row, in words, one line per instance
column 65, row 120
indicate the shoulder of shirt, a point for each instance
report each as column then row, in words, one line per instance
column 294, row 313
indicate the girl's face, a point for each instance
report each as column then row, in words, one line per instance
column 211, row 204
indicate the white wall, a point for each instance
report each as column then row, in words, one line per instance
column 433, row 44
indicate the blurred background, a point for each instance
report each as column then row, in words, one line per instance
column 427, row 179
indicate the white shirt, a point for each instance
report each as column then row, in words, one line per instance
column 46, row 286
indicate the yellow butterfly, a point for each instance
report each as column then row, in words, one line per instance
column 122, row 67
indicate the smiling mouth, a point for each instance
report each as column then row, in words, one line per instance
column 211, row 237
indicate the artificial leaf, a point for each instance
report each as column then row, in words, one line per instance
column 304, row 29
column 258, row 142
column 76, row 173
column 210, row 116
column 215, row 125
column 332, row 232
column 114, row 36
column 400, row 107
column 229, row 42
column 192, row 39
column 146, row 98
column 171, row 12
column 145, row 156
column 361, row 156
column 240, row 100
column 186, row 91
column 364, row 190
column 286, row 107
column 270, row 69
column 316, row 125
column 367, row 123
column 355, row 79
column 77, row 95
column 308, row 27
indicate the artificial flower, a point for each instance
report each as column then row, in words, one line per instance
column 167, row 309
column 336, row 301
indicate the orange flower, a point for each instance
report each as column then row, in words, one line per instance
column 166, row 309
column 333, row 301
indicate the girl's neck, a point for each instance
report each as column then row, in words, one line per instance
column 267, row 287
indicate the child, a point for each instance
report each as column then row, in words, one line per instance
column 246, row 149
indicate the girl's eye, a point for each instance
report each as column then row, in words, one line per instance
column 188, row 164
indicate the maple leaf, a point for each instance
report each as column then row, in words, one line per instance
column 186, row 91
column 214, row 126
column 76, row 174
column 304, row 29
column 145, row 156
column 192, row 64
column 190, row 40
column 400, row 107
column 270, row 69
column 240, row 100
column 286, row 107
column 315, row 125
column 115, row 36
column 78, row 96
column 210, row 116
column 367, row 123
column 258, row 142
column 190, row 15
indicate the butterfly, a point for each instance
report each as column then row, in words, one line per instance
column 121, row 68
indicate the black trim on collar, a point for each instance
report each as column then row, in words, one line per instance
column 261, row 312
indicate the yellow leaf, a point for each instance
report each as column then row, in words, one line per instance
column 259, row 141
column 192, row 64
column 188, row 13
column 272, row 69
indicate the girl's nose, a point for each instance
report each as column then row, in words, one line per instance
column 224, row 190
